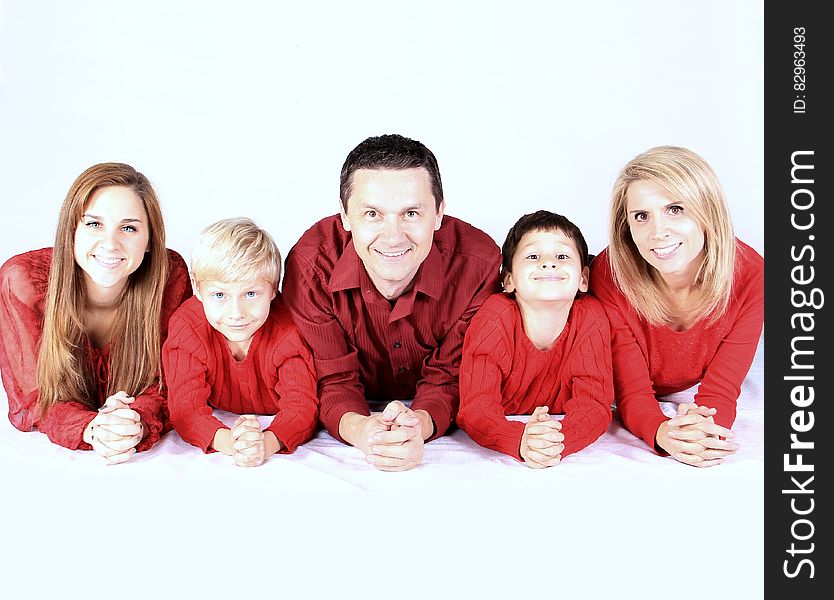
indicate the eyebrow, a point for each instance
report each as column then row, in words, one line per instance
column 89, row 216
column 367, row 206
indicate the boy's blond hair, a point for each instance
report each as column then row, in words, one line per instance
column 235, row 250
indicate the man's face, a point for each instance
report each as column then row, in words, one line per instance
column 392, row 217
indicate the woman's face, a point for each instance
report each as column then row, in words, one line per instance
column 112, row 238
column 667, row 236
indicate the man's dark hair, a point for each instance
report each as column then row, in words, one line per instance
column 541, row 220
column 393, row 152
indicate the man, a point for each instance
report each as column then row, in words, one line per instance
column 383, row 293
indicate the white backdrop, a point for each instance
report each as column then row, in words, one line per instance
column 249, row 108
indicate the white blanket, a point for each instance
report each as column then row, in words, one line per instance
column 614, row 518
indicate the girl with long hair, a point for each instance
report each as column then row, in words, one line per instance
column 83, row 322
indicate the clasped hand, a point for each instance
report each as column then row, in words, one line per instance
column 542, row 441
column 692, row 437
column 391, row 440
column 116, row 429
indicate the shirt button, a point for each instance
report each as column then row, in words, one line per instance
column 397, row 344
column 403, row 369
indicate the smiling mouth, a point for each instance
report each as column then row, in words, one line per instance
column 549, row 278
column 107, row 261
column 666, row 250
column 392, row 255
column 238, row 327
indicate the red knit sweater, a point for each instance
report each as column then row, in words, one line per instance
column 503, row 373
column 277, row 377
column 23, row 283
column 651, row 360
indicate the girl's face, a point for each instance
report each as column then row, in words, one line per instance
column 667, row 236
column 112, row 238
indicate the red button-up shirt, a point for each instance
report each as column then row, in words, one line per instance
column 367, row 348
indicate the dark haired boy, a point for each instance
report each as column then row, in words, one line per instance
column 542, row 347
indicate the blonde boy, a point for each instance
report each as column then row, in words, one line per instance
column 234, row 347
column 542, row 346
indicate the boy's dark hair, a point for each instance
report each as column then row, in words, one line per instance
column 393, row 152
column 541, row 220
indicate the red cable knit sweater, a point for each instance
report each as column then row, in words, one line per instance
column 503, row 373
column 277, row 377
column 23, row 284
column 650, row 360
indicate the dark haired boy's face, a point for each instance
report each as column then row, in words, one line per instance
column 392, row 217
column 546, row 267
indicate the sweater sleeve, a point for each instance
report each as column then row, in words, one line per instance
column 633, row 391
column 186, row 366
column 721, row 385
column 336, row 362
column 588, row 408
column 438, row 390
column 487, row 356
column 23, row 281
column 295, row 421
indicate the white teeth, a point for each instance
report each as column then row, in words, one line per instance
column 392, row 254
column 661, row 252
column 108, row 261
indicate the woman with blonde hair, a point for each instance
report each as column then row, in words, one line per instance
column 83, row 322
column 685, row 299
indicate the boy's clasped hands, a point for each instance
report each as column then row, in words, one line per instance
column 542, row 442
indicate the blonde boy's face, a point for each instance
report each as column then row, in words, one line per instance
column 546, row 267
column 237, row 309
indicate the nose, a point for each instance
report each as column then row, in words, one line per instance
column 661, row 227
column 235, row 308
column 109, row 238
column 392, row 232
column 548, row 262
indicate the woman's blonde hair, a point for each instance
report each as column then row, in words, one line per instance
column 64, row 370
column 688, row 179
column 235, row 250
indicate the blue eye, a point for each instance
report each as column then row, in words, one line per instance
column 251, row 294
column 92, row 224
column 218, row 295
column 129, row 228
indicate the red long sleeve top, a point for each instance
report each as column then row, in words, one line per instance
column 503, row 373
column 23, row 285
column 367, row 348
column 652, row 360
column 277, row 377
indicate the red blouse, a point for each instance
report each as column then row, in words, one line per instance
column 367, row 348
column 653, row 360
column 23, row 286
column 277, row 377
column 503, row 373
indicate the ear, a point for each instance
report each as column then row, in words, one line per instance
column 440, row 211
column 194, row 287
column 509, row 286
column 344, row 217
column 583, row 281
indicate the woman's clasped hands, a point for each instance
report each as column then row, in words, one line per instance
column 116, row 430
